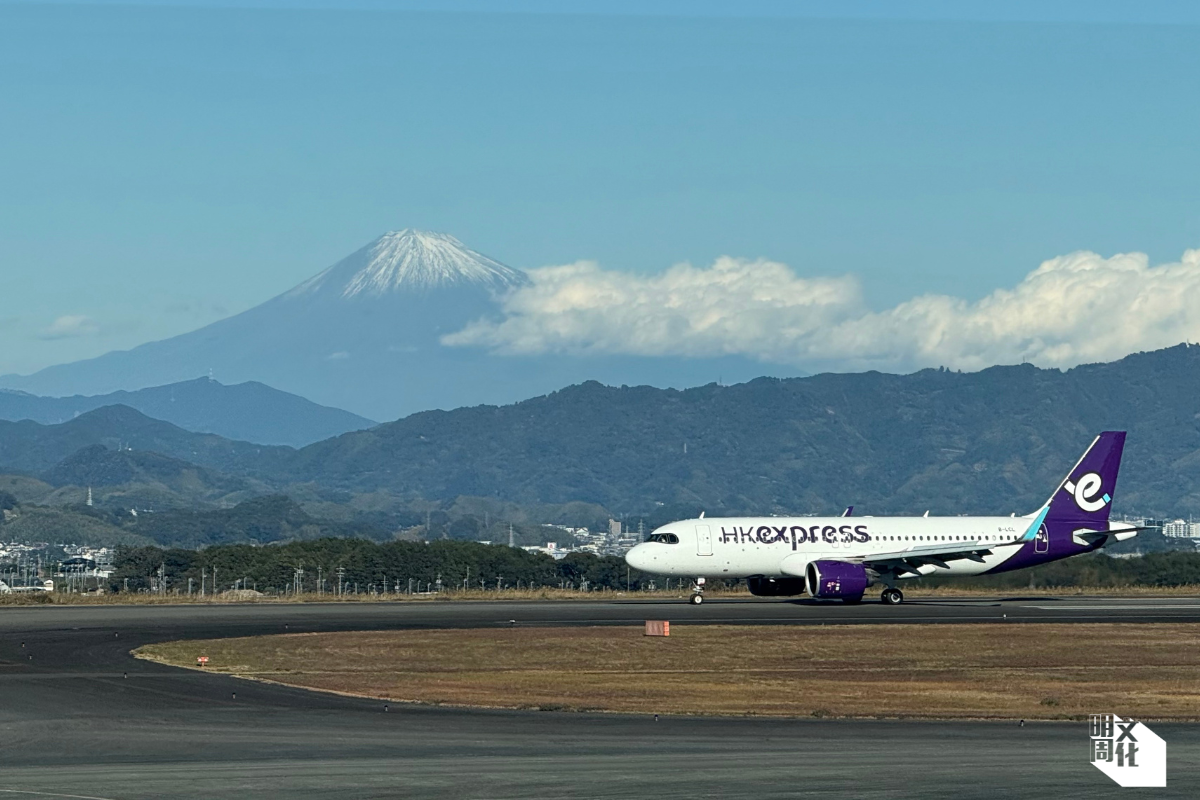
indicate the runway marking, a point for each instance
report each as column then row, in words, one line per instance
column 55, row 794
column 1138, row 607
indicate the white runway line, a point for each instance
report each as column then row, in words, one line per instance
column 55, row 794
column 1138, row 607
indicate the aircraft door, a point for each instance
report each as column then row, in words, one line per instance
column 1041, row 542
column 703, row 540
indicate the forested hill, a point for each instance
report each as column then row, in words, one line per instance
column 31, row 447
column 251, row 412
column 994, row 441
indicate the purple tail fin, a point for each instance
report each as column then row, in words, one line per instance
column 1084, row 498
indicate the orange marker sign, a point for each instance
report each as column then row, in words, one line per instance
column 658, row 627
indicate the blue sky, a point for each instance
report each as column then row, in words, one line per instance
column 165, row 164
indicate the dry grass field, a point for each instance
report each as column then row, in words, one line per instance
column 951, row 671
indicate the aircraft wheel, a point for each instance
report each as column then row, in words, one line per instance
column 892, row 597
column 696, row 599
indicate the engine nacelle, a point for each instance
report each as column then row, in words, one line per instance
column 841, row 580
column 775, row 587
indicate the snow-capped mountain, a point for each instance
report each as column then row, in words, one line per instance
column 365, row 335
column 410, row 261
column 361, row 335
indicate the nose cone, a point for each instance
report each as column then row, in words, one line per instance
column 638, row 558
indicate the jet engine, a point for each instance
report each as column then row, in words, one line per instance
column 775, row 587
column 827, row 580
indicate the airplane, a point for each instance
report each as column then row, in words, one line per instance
column 837, row 558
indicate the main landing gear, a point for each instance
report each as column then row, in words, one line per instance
column 892, row 596
column 697, row 592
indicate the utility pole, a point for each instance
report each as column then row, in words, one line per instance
column 203, row 576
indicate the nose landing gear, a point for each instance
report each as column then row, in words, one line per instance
column 697, row 592
column 892, row 596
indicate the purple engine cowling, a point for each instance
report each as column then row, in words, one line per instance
column 836, row 580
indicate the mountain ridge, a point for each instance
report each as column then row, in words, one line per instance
column 250, row 411
column 990, row 442
column 32, row 448
column 994, row 441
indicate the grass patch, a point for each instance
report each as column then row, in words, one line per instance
column 953, row 671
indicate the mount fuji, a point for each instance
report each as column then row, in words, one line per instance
column 364, row 335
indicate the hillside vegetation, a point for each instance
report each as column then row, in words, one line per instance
column 995, row 441
column 992, row 442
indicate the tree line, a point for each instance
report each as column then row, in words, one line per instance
column 362, row 566
column 359, row 565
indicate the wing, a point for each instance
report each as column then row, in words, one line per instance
column 911, row 559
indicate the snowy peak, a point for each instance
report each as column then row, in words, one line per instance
column 408, row 260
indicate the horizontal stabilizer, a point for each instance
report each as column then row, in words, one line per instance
column 1118, row 532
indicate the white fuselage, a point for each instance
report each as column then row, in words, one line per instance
column 741, row 547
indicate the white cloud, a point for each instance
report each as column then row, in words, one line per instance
column 70, row 326
column 1076, row 308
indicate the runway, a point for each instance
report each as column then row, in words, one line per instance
column 80, row 717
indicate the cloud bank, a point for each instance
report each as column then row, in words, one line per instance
column 1073, row 309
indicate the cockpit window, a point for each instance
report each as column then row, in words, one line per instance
column 664, row 538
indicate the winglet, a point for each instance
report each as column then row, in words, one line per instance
column 849, row 510
column 1032, row 531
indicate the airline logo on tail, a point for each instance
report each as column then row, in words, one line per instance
column 1085, row 492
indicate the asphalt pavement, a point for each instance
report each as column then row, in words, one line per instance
column 79, row 717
